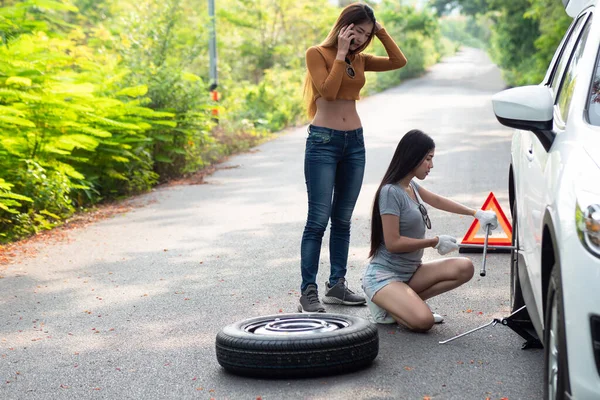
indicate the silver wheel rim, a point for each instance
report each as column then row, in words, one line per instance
column 296, row 326
column 553, row 351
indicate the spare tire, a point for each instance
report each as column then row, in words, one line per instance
column 297, row 345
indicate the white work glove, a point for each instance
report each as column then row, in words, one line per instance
column 487, row 218
column 446, row 244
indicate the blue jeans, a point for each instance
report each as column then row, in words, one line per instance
column 334, row 165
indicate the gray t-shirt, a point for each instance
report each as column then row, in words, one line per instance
column 395, row 201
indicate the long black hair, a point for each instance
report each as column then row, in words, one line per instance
column 411, row 151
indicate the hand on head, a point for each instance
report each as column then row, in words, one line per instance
column 345, row 38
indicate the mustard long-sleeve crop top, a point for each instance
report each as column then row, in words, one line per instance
column 329, row 77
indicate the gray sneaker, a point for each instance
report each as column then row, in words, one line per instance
column 340, row 294
column 309, row 301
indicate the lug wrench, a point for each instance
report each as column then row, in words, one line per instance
column 485, row 247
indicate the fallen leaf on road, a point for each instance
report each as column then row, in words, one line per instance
column 408, row 368
column 64, row 387
column 469, row 310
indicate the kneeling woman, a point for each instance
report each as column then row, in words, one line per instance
column 397, row 282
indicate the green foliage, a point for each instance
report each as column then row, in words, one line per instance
column 553, row 23
column 471, row 31
column 63, row 133
column 419, row 36
column 271, row 105
column 524, row 33
column 105, row 98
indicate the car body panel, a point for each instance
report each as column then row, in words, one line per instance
column 547, row 185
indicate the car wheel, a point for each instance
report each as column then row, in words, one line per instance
column 297, row 345
column 516, row 295
column 556, row 374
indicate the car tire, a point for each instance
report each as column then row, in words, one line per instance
column 516, row 293
column 556, row 373
column 297, row 345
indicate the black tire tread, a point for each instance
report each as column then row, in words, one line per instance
column 516, row 296
column 298, row 363
column 298, row 356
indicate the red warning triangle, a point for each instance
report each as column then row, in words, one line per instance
column 473, row 236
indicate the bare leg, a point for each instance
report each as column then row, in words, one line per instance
column 405, row 305
column 437, row 277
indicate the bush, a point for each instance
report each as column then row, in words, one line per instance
column 48, row 193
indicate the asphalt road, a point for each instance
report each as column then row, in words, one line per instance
column 129, row 307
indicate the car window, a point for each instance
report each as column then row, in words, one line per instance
column 565, row 93
column 564, row 57
column 593, row 104
column 550, row 74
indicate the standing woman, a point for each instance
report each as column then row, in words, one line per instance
column 335, row 153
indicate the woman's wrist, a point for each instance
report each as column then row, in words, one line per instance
column 340, row 56
column 435, row 241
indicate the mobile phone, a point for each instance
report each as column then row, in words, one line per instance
column 352, row 41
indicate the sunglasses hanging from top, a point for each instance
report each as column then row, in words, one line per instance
column 349, row 68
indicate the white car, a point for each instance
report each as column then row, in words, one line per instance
column 554, row 190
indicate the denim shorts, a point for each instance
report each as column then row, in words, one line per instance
column 377, row 277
